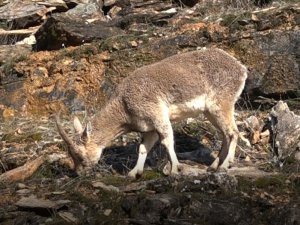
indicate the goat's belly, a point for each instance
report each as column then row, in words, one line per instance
column 143, row 126
column 191, row 108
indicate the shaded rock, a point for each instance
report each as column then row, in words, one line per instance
column 272, row 60
column 285, row 215
column 153, row 209
column 283, row 74
column 202, row 155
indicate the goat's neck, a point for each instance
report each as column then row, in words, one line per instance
column 108, row 123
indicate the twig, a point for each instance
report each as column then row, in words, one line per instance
column 246, row 152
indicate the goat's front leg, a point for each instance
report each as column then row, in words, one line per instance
column 149, row 139
column 167, row 139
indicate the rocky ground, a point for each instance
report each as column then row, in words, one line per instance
column 70, row 55
column 254, row 191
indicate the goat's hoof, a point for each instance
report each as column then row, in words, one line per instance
column 214, row 166
column 134, row 175
column 176, row 170
column 211, row 169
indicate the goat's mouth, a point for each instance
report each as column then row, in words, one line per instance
column 73, row 149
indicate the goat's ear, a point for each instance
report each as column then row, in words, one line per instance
column 86, row 134
column 77, row 125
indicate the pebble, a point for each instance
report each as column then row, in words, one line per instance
column 23, row 191
column 133, row 44
column 107, row 212
column 21, row 186
column 247, row 159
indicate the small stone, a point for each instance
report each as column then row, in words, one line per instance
column 114, row 11
column 49, row 220
column 21, row 186
column 254, row 18
column 96, row 192
column 170, row 11
column 19, row 131
column 247, row 159
column 116, row 46
column 109, row 2
column 243, row 22
column 197, row 181
column 23, row 191
column 107, row 212
column 133, row 43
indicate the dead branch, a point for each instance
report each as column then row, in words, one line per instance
column 22, row 172
column 28, row 169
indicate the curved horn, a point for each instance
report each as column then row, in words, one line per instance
column 72, row 147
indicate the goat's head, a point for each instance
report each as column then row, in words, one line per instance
column 84, row 152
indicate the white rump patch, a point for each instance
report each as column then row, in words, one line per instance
column 188, row 109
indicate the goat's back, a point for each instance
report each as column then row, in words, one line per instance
column 183, row 77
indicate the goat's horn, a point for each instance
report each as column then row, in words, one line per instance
column 72, row 147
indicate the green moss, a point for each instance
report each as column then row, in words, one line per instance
column 231, row 20
column 8, row 66
column 115, row 180
column 151, row 175
column 245, row 184
column 277, row 181
column 119, row 42
column 78, row 53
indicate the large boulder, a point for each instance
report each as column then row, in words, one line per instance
column 84, row 23
column 286, row 131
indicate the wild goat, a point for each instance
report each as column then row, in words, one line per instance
column 178, row 87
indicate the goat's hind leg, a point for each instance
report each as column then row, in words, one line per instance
column 223, row 119
column 148, row 141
